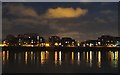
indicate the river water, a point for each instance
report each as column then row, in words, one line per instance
column 46, row 61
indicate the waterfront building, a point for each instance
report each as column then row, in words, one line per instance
column 90, row 43
column 68, row 42
column 10, row 40
column 54, row 41
column 109, row 41
column 34, row 39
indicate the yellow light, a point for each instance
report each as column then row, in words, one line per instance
column 47, row 55
column 2, row 45
column 116, row 53
column 78, row 58
column 56, row 57
column 47, row 44
column 114, row 59
column 72, row 57
column 99, row 59
column 87, row 58
column 56, row 44
column 42, row 57
column 3, row 57
column 26, row 57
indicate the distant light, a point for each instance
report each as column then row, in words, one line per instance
column 83, row 45
column 4, row 42
column 47, row 44
column 59, row 43
column 91, row 44
column 56, row 44
column 78, row 44
column 99, row 43
column 66, row 42
column 37, row 37
column 96, row 44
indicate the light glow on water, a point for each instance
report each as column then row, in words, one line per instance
column 72, row 57
column 3, row 57
column 56, row 56
column 91, row 58
column 62, row 58
column 87, row 57
column 7, row 55
column 26, row 57
column 99, row 59
column 42, row 57
column 78, row 58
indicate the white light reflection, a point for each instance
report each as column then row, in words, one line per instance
column 78, row 58
column 90, row 58
column 60, row 55
column 31, row 55
column 99, row 59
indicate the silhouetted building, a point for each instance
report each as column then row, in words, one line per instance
column 107, row 40
column 67, row 42
column 54, row 41
column 10, row 40
column 34, row 39
column 90, row 43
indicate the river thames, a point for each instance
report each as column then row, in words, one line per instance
column 59, row 61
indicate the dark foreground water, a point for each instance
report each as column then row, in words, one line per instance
column 61, row 61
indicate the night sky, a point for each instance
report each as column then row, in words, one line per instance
column 79, row 20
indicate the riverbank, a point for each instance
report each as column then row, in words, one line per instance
column 17, row 48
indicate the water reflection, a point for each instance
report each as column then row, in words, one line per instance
column 56, row 57
column 78, row 58
column 87, row 57
column 99, row 59
column 26, row 57
column 113, row 58
column 3, row 57
column 72, row 57
column 42, row 57
column 91, row 58
column 59, row 58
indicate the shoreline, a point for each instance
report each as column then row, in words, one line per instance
column 17, row 48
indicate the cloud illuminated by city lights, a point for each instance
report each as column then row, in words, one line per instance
column 65, row 12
